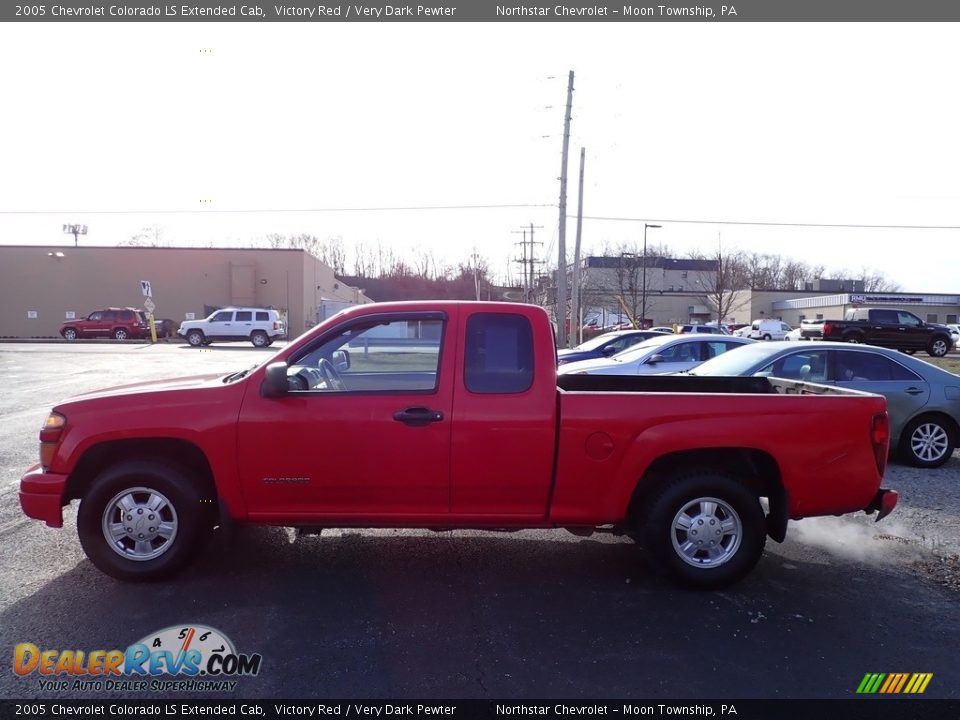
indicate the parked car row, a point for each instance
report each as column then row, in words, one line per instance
column 261, row 326
column 923, row 400
column 657, row 355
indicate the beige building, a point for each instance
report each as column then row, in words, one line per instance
column 677, row 291
column 40, row 287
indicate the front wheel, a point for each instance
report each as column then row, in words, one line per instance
column 927, row 442
column 142, row 520
column 195, row 338
column 705, row 528
column 938, row 347
column 69, row 334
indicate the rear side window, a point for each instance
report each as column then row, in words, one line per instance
column 263, row 316
column 856, row 366
column 109, row 315
column 499, row 354
column 244, row 315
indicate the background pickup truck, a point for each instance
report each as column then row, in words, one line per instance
column 448, row 415
column 895, row 329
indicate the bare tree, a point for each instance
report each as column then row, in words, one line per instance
column 151, row 236
column 724, row 284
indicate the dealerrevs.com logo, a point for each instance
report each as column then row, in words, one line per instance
column 201, row 657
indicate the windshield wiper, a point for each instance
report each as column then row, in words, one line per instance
column 238, row 375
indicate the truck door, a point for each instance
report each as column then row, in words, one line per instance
column 912, row 330
column 365, row 429
column 504, row 425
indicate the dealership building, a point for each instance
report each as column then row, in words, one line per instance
column 41, row 287
column 677, row 291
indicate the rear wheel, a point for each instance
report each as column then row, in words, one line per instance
column 704, row 528
column 856, row 339
column 259, row 338
column 120, row 334
column 927, row 442
column 195, row 338
column 143, row 519
column 767, row 337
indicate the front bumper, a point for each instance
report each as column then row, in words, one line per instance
column 883, row 503
column 41, row 495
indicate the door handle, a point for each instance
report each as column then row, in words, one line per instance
column 418, row 416
column 913, row 391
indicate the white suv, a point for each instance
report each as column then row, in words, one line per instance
column 258, row 325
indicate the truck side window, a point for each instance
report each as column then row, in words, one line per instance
column 499, row 354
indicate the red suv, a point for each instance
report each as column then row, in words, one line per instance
column 118, row 323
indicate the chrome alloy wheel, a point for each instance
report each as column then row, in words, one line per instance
column 929, row 442
column 706, row 532
column 139, row 524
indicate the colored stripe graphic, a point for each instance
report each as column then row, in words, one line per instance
column 894, row 683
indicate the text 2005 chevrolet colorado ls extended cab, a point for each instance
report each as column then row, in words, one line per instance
column 449, row 415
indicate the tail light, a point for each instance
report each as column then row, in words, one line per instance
column 50, row 437
column 827, row 329
column 880, row 437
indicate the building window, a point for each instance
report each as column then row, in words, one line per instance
column 952, row 319
column 932, row 317
column 819, row 316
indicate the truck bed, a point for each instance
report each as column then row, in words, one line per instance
column 695, row 384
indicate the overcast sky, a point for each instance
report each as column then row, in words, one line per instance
column 121, row 126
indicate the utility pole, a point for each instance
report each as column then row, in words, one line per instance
column 528, row 260
column 562, row 241
column 575, row 290
column 643, row 295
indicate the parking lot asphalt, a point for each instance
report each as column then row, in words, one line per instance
column 467, row 614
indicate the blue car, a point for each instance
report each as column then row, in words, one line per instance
column 605, row 345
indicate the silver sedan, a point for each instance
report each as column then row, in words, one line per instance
column 659, row 355
column 923, row 400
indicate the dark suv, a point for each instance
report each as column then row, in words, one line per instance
column 117, row 323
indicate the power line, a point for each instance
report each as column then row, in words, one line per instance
column 417, row 208
column 772, row 223
column 280, row 210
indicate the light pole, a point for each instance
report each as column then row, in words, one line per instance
column 75, row 230
column 643, row 288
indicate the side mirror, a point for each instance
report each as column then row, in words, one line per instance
column 275, row 380
column 341, row 360
column 608, row 351
column 654, row 359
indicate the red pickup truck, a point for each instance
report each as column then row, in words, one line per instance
column 449, row 415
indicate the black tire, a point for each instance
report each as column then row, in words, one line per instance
column 196, row 338
column 120, row 334
column 939, row 346
column 738, row 549
column 909, row 352
column 139, row 482
column 70, row 334
column 855, row 338
column 259, row 339
column 767, row 337
column 927, row 441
